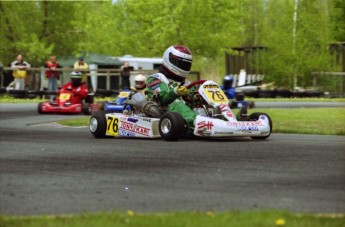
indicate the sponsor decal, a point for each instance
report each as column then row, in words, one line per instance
column 223, row 133
column 224, row 107
column 244, row 123
column 203, row 125
column 147, row 119
column 126, row 133
column 127, row 126
column 248, row 128
column 263, row 117
column 229, row 114
column 135, row 128
column 142, row 130
column 210, row 86
column 123, row 118
column 134, row 120
column 154, row 84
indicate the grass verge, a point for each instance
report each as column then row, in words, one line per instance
column 320, row 121
column 205, row 219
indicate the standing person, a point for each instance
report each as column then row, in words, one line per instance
column 125, row 75
column 19, row 73
column 81, row 65
column 167, row 86
column 51, row 74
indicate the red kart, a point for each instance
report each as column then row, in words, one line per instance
column 68, row 103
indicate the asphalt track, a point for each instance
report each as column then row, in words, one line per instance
column 49, row 169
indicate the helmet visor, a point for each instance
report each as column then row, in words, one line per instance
column 140, row 84
column 181, row 63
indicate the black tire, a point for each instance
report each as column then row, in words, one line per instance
column 239, row 96
column 86, row 109
column 39, row 108
column 89, row 99
column 172, row 126
column 98, row 124
column 255, row 117
column 233, row 104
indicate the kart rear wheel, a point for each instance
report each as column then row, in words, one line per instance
column 98, row 124
column 86, row 109
column 172, row 126
column 255, row 117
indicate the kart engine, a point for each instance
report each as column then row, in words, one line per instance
column 139, row 101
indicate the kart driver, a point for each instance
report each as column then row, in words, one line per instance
column 227, row 87
column 140, row 82
column 169, row 84
column 77, row 87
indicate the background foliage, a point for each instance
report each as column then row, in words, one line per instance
column 146, row 27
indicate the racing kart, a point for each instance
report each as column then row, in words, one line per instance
column 64, row 104
column 147, row 119
column 115, row 105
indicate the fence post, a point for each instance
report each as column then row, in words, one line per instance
column 42, row 75
column 108, row 80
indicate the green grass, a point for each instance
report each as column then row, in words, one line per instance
column 320, row 121
column 296, row 99
column 186, row 219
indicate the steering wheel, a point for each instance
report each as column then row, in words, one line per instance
column 194, row 95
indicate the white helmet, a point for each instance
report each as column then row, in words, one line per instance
column 140, row 81
column 178, row 61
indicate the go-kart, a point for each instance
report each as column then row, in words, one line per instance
column 146, row 119
column 117, row 104
column 64, row 104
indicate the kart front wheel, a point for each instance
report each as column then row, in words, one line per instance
column 172, row 126
column 39, row 108
column 255, row 117
column 98, row 124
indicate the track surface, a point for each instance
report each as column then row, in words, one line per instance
column 46, row 169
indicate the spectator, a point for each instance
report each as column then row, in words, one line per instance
column 125, row 74
column 51, row 74
column 19, row 73
column 81, row 65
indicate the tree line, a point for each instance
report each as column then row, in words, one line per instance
column 297, row 33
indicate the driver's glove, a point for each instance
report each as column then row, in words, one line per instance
column 181, row 90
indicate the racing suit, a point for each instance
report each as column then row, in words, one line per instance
column 79, row 92
column 162, row 90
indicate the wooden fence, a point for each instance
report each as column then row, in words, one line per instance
column 100, row 78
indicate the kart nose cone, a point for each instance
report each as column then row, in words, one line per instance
column 93, row 124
